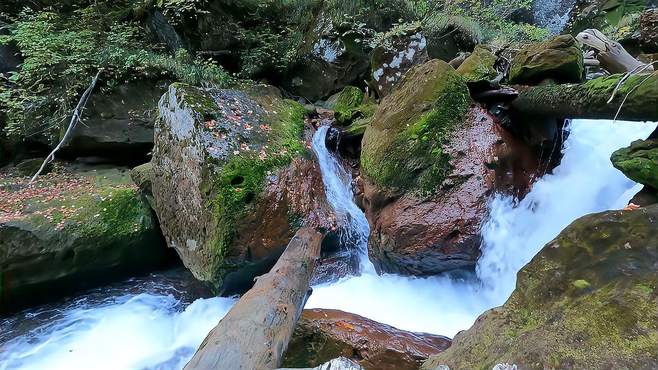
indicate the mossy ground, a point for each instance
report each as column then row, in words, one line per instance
column 90, row 204
column 403, row 148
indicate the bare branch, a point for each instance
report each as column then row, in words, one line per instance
column 77, row 113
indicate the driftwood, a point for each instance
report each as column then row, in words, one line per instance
column 634, row 98
column 255, row 332
column 610, row 54
column 77, row 113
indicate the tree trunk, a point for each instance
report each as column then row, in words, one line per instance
column 638, row 93
column 255, row 332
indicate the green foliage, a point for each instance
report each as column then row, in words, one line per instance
column 63, row 51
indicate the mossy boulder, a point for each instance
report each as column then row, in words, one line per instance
column 346, row 104
column 403, row 147
column 224, row 169
column 73, row 229
column 559, row 59
column 586, row 301
column 479, row 66
column 639, row 162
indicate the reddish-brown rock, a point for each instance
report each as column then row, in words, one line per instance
column 325, row 334
column 424, row 235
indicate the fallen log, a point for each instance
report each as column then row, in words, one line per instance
column 610, row 54
column 634, row 99
column 255, row 332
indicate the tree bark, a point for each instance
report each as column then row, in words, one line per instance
column 255, row 332
column 636, row 99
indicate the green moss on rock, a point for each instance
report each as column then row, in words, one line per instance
column 639, row 162
column 78, row 230
column 403, row 146
column 222, row 145
column 559, row 59
column 586, row 301
column 479, row 66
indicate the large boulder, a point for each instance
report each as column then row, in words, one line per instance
column 118, row 124
column 639, row 162
column 559, row 59
column 233, row 180
column 397, row 54
column 586, row 301
column 72, row 230
column 322, row 334
column 429, row 164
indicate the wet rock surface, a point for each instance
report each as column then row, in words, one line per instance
column 323, row 334
column 417, row 235
column 587, row 300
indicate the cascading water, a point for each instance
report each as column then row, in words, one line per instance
column 151, row 324
column 354, row 228
column 552, row 14
column 585, row 182
column 148, row 323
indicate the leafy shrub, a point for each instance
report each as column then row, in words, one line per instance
column 63, row 51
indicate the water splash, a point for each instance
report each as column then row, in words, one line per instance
column 153, row 330
column 585, row 182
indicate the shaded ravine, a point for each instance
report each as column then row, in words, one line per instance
column 157, row 323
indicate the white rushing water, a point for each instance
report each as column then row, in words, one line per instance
column 152, row 330
column 142, row 328
column 583, row 183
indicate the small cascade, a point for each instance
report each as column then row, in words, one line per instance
column 552, row 14
column 583, row 183
column 352, row 222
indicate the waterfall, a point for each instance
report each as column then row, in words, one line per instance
column 352, row 222
column 583, row 183
column 151, row 326
column 552, row 14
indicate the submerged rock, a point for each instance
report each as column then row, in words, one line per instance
column 323, row 334
column 429, row 164
column 559, row 59
column 72, row 230
column 586, row 301
column 639, row 162
column 233, row 180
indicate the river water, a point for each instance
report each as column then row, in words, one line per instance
column 158, row 321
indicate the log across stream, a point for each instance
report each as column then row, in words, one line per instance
column 158, row 322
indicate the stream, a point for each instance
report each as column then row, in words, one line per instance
column 157, row 322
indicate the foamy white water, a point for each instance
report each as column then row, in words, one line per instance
column 133, row 331
column 155, row 330
column 585, row 182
